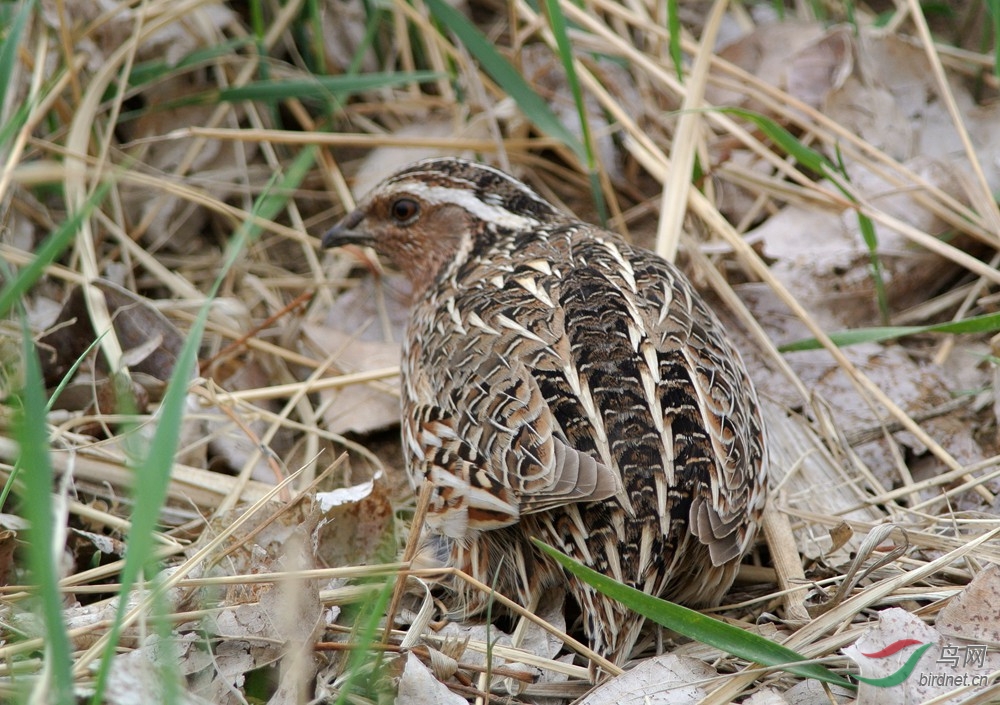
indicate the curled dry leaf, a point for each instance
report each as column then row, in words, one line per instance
column 84, row 544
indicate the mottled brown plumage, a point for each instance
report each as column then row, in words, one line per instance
column 561, row 383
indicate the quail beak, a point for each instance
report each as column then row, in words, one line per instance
column 348, row 232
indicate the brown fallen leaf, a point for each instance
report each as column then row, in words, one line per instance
column 362, row 330
column 663, row 679
column 886, row 647
column 8, row 542
column 150, row 342
column 356, row 525
column 974, row 613
column 417, row 686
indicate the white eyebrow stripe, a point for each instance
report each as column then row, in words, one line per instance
column 466, row 198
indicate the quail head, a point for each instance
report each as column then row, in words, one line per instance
column 559, row 383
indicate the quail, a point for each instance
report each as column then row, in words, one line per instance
column 560, row 383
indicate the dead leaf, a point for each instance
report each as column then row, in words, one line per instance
column 462, row 633
column 8, row 542
column 362, row 330
column 215, row 675
column 891, row 101
column 418, row 686
column 150, row 342
column 138, row 677
column 356, row 527
column 916, row 387
column 272, row 623
column 974, row 613
column 102, row 543
column 666, row 680
column 840, row 534
column 822, row 259
column 820, row 66
column 551, row 609
column 812, row 692
column 767, row 53
column 885, row 648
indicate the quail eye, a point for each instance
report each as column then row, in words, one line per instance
column 404, row 211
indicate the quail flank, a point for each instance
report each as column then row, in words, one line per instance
column 559, row 383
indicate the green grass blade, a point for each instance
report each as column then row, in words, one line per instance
column 367, row 626
column 8, row 49
column 151, row 493
column 273, row 200
column 309, row 29
column 987, row 323
column 49, row 250
column 32, row 437
column 9, row 128
column 697, row 626
column 506, row 76
column 867, row 228
column 674, row 30
column 814, row 161
column 155, row 468
column 148, row 71
column 376, row 17
column 808, row 158
column 321, row 87
column 557, row 21
column 993, row 7
column 53, row 397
